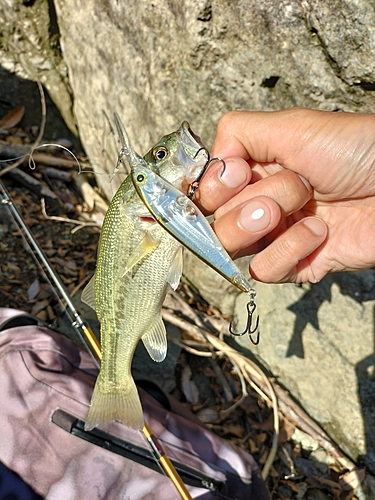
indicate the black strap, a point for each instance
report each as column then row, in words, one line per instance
column 20, row 320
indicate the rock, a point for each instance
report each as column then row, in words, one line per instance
column 157, row 63
column 318, row 341
column 29, row 47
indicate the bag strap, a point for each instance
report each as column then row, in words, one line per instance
column 21, row 320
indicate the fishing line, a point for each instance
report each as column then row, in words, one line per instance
column 32, row 164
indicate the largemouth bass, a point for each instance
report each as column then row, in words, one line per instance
column 137, row 259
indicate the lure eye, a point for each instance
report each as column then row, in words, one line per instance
column 141, row 177
column 160, row 153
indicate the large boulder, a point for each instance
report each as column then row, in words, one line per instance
column 158, row 63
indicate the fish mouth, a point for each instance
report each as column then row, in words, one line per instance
column 190, row 141
column 194, row 155
column 185, row 132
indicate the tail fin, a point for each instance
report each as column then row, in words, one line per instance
column 121, row 404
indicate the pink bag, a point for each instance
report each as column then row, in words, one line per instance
column 46, row 383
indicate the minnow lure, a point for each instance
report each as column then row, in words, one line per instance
column 183, row 220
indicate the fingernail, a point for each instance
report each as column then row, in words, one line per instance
column 233, row 175
column 306, row 182
column 254, row 217
column 315, row 225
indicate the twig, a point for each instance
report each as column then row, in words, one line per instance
column 196, row 352
column 79, row 223
column 244, row 395
column 91, row 197
column 187, row 310
column 37, row 186
column 224, row 382
column 54, row 173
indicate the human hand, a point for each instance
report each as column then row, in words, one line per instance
column 262, row 204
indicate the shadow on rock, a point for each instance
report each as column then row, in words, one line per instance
column 365, row 371
column 360, row 286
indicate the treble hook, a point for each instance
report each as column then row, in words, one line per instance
column 249, row 329
column 195, row 184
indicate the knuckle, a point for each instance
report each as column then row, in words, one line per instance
column 226, row 120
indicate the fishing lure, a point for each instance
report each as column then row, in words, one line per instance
column 182, row 219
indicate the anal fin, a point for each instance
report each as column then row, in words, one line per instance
column 155, row 340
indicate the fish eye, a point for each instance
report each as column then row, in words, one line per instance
column 160, row 153
column 141, row 177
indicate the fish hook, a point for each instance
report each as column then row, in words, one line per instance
column 249, row 329
column 195, row 184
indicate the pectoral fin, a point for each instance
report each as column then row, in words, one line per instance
column 88, row 293
column 144, row 248
column 176, row 269
column 155, row 340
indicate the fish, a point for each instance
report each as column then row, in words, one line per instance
column 178, row 215
column 136, row 262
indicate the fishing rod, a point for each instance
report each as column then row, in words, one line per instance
column 88, row 337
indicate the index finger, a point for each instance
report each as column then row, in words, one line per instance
column 263, row 136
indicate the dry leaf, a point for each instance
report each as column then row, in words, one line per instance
column 33, row 290
column 289, row 428
column 253, row 447
column 12, row 268
column 189, row 387
column 250, row 405
column 260, row 438
column 351, row 480
column 318, row 481
column 42, row 315
column 207, row 415
column 235, row 430
column 266, row 425
column 12, row 118
column 39, row 306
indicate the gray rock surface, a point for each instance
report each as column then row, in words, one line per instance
column 160, row 62
column 318, row 341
